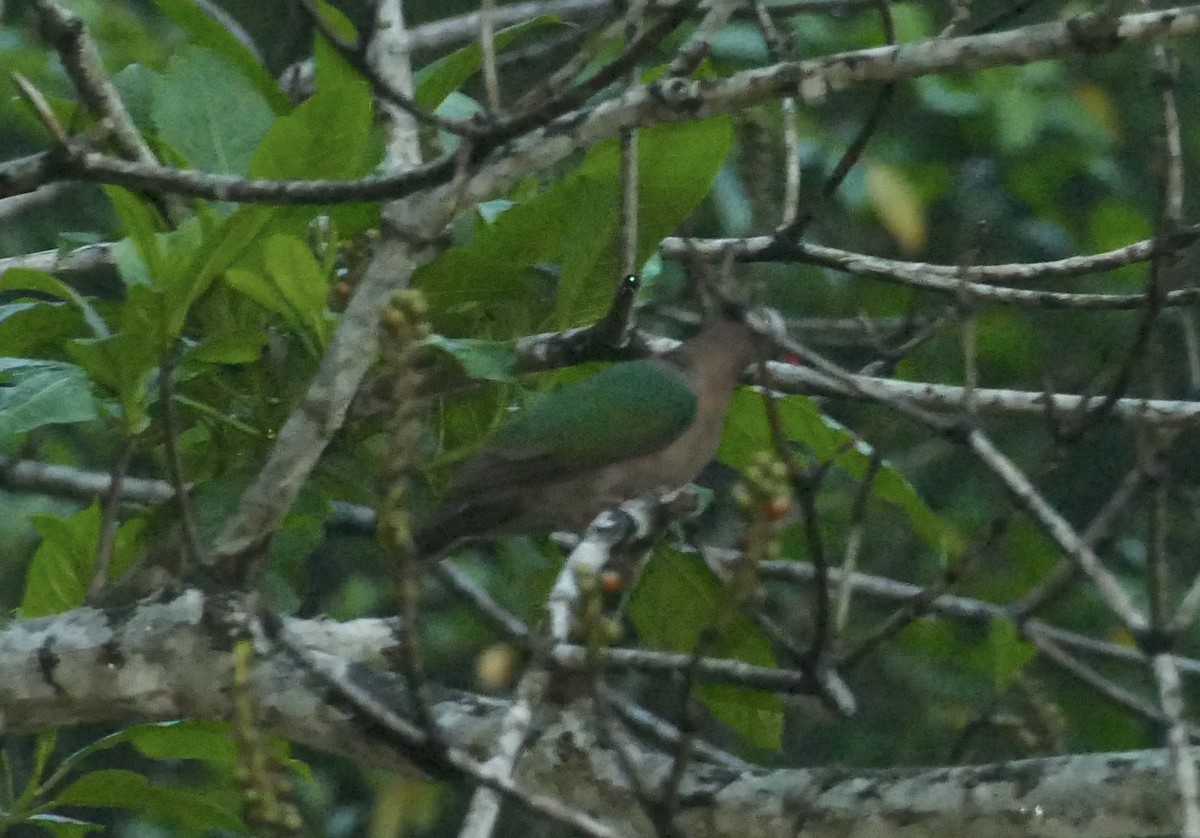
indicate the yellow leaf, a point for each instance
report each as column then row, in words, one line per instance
column 898, row 205
column 1097, row 104
column 405, row 805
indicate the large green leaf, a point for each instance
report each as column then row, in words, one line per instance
column 292, row 285
column 303, row 284
column 130, row 790
column 124, row 362
column 330, row 70
column 38, row 393
column 326, row 137
column 676, row 167
column 484, row 360
column 141, row 224
column 176, row 266
column 209, row 112
column 575, row 224
column 676, row 601
column 29, row 279
column 62, row 565
column 208, row 32
column 25, row 326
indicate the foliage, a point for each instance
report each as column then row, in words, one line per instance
column 235, row 304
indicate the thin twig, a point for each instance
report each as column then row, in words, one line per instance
column 192, row 549
column 787, row 108
column 487, row 47
column 109, row 520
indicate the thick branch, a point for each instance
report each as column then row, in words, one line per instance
column 163, row 661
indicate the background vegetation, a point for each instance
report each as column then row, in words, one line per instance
column 235, row 304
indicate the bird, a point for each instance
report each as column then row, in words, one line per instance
column 636, row 427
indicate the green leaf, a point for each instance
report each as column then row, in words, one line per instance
column 135, row 83
column 207, row 741
column 129, row 790
column 234, row 240
column 1111, row 224
column 678, row 599
column 258, row 288
column 124, row 362
column 300, row 534
column 177, row 265
column 575, row 223
column 209, row 112
column 278, row 293
column 326, row 137
column 747, row 432
column 208, row 32
column 29, row 279
column 676, row 167
column 301, row 282
column 42, row 393
column 485, row 360
column 435, row 81
column 62, row 565
column 1009, row 652
column 234, row 345
column 495, row 266
column 140, row 223
column 330, row 69
column 28, row 325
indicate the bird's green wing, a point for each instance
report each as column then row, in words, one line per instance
column 626, row 411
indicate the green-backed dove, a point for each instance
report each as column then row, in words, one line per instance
column 634, row 428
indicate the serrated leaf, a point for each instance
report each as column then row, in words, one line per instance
column 209, row 112
column 676, row 600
